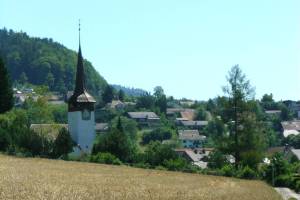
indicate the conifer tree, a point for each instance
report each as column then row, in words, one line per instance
column 6, row 93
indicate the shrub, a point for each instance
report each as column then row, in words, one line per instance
column 216, row 160
column 105, row 158
column 175, row 164
column 297, row 186
column 228, row 170
column 247, row 173
column 142, row 165
column 283, row 181
column 63, row 144
column 158, row 134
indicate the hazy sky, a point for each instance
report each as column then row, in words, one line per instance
column 185, row 46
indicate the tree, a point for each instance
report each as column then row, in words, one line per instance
column 117, row 143
column 23, row 78
column 50, row 80
column 63, row 144
column 157, row 153
column 121, row 95
column 129, row 126
column 201, row 114
column 244, row 140
column 108, row 94
column 158, row 91
column 145, row 101
column 268, row 103
column 6, row 92
column 160, row 99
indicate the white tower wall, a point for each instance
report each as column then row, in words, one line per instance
column 82, row 131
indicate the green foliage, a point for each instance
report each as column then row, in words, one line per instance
column 116, row 142
column 158, row 134
column 59, row 113
column 246, row 141
column 247, row 173
column 293, row 141
column 268, row 102
column 156, row 153
column 6, row 93
column 228, row 170
column 146, row 101
column 121, row 95
column 108, row 94
column 44, row 62
column 63, row 144
column 105, row 158
column 217, row 160
column 285, row 114
column 201, row 114
column 177, row 164
column 215, row 128
column 38, row 112
column 129, row 126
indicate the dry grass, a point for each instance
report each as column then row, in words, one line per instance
column 26, row 178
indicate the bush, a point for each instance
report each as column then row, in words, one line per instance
column 297, row 186
column 228, row 170
column 158, row 134
column 156, row 153
column 177, row 164
column 247, row 173
column 142, row 165
column 105, row 158
column 217, row 160
column 283, row 181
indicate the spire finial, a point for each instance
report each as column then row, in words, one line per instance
column 79, row 30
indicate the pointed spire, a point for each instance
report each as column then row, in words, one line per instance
column 80, row 78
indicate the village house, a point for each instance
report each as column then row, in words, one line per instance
column 145, row 118
column 196, row 156
column 293, row 106
column 191, row 138
column 119, row 105
column 273, row 112
column 290, row 127
column 186, row 124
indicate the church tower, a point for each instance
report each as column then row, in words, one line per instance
column 81, row 111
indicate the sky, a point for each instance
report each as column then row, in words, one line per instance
column 187, row 47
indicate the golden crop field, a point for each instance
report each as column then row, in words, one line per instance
column 33, row 178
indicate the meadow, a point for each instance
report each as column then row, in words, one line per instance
column 35, row 178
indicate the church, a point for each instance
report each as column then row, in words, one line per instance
column 81, row 111
column 81, row 114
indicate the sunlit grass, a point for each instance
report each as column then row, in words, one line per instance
column 33, row 178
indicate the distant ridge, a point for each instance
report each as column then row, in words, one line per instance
column 136, row 92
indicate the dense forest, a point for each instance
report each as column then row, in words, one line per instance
column 44, row 62
column 135, row 92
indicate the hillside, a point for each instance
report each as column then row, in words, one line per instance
column 53, row 179
column 44, row 62
column 135, row 92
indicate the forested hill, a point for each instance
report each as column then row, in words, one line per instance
column 44, row 62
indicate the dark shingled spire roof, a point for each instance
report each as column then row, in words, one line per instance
column 80, row 94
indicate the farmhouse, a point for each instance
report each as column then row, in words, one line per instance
column 193, row 124
column 290, row 127
column 145, row 118
column 191, row 138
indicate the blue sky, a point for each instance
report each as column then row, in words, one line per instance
column 187, row 47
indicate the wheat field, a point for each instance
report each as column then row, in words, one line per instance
column 34, row 178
